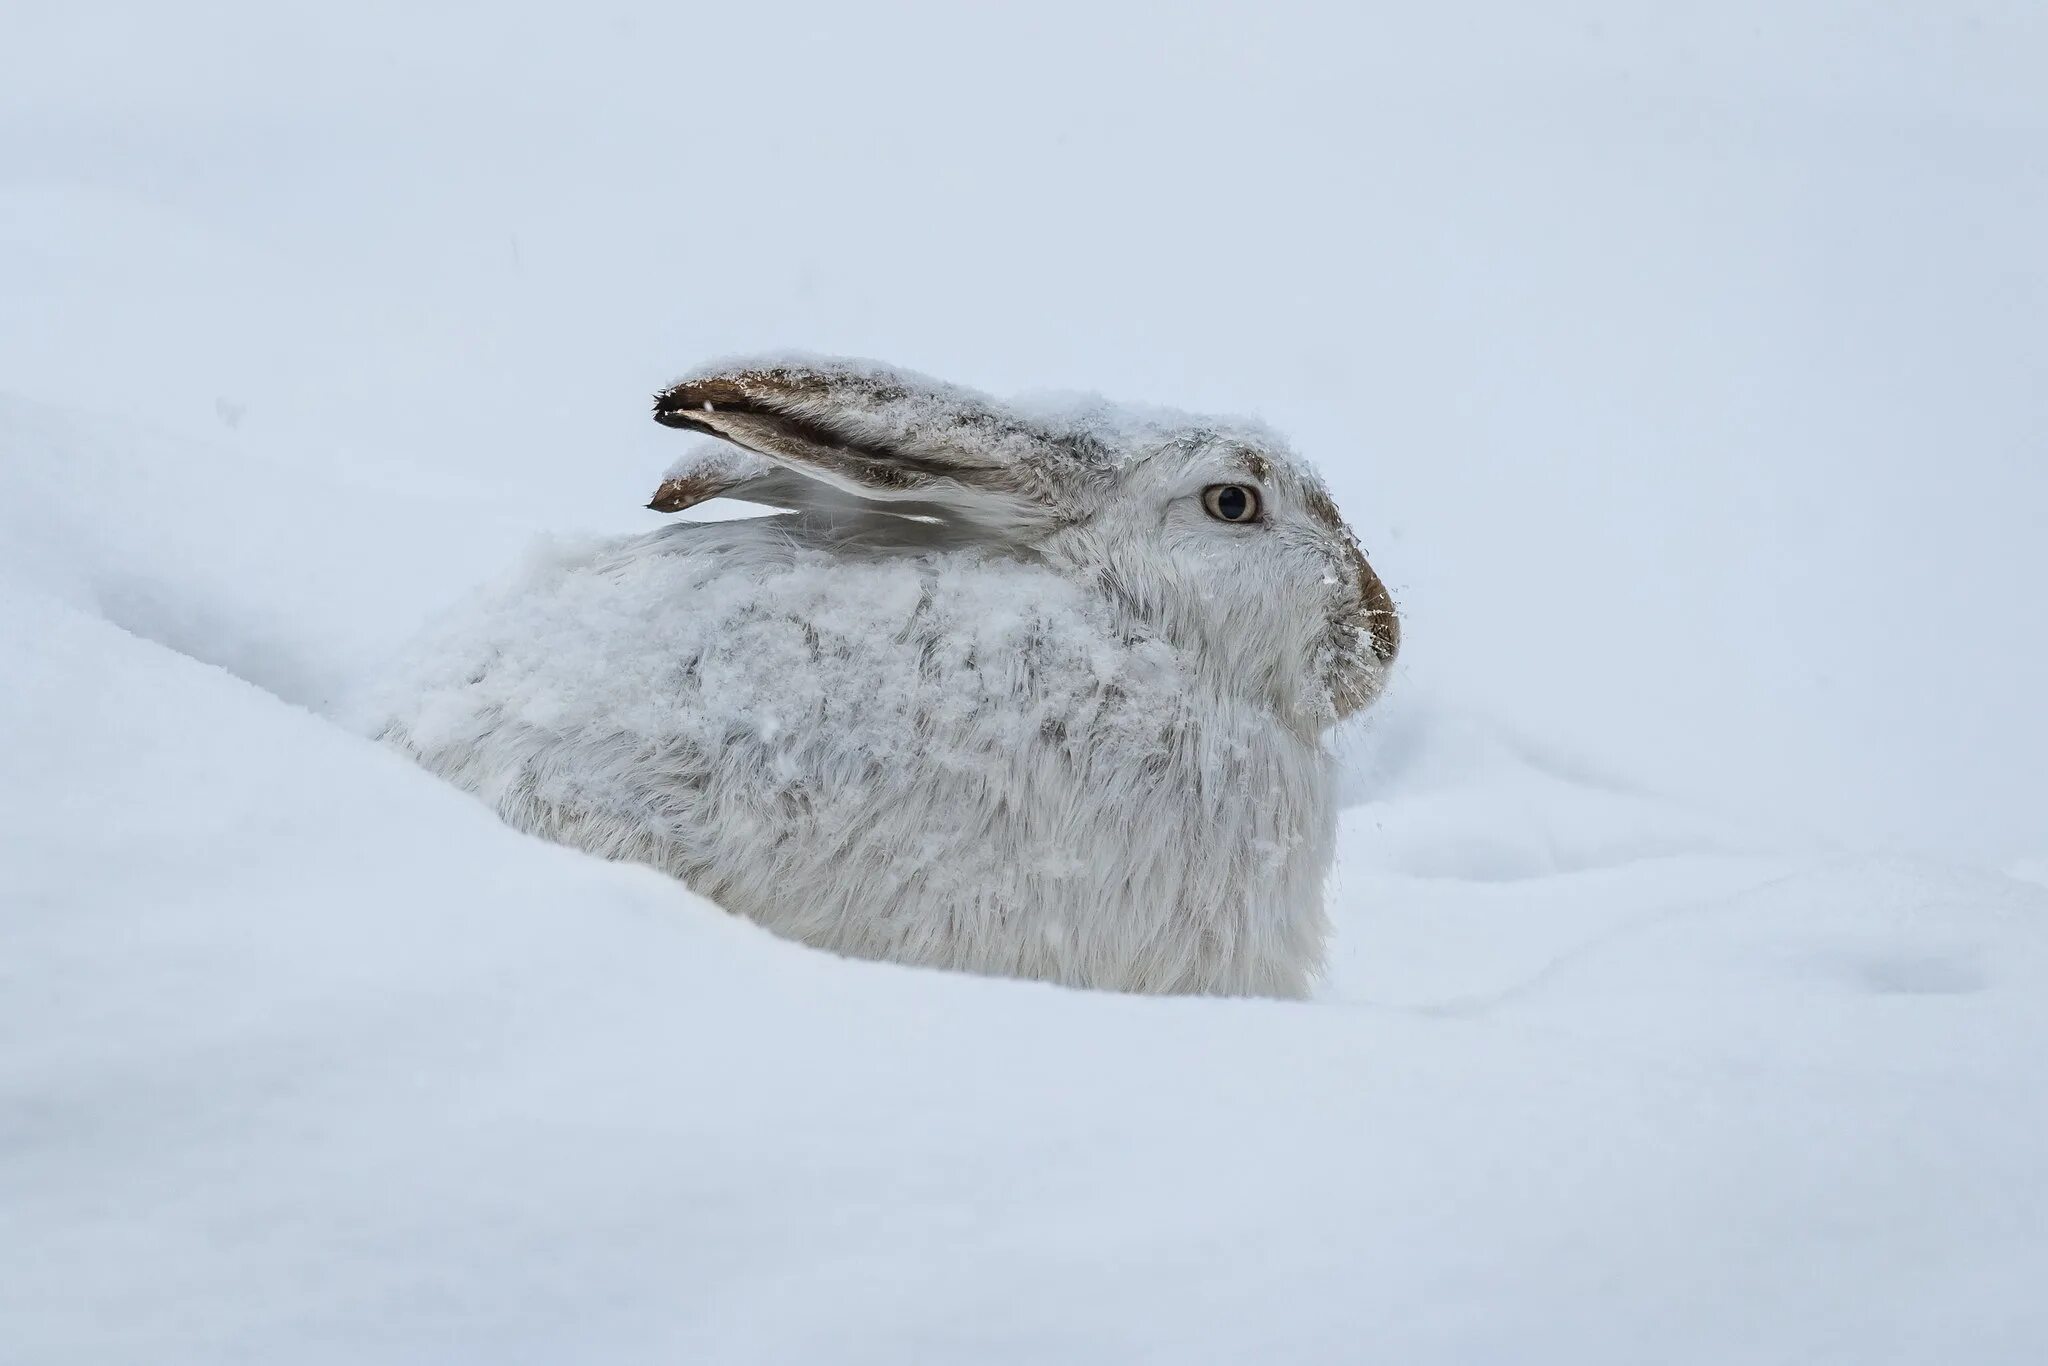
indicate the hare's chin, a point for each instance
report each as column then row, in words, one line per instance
column 1351, row 693
column 1356, row 674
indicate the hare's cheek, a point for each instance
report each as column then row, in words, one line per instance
column 1355, row 676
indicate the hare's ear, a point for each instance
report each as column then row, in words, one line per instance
column 877, row 434
column 713, row 469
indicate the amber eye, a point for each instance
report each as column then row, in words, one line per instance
column 1231, row 502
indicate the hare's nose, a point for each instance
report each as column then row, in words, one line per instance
column 1381, row 620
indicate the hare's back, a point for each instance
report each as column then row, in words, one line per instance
column 702, row 636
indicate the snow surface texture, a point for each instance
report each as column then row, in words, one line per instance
column 1691, row 930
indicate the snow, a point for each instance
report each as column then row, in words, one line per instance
column 1692, row 957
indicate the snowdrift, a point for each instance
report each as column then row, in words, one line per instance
column 307, row 1058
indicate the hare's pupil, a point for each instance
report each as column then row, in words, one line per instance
column 1232, row 503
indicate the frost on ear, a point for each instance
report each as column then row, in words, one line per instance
column 709, row 469
column 846, row 433
column 867, row 429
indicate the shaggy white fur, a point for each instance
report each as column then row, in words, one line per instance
column 1004, row 694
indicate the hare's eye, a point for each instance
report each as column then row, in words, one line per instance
column 1231, row 502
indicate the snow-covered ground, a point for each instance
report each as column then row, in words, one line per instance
column 1684, row 376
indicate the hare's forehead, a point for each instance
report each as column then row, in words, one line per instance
column 1126, row 433
column 1223, row 456
column 1166, row 449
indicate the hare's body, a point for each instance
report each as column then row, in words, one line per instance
column 1027, row 693
column 946, row 758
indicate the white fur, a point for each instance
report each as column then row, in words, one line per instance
column 1072, row 732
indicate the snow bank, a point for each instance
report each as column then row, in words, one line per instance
column 307, row 1057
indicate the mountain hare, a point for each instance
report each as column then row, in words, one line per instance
column 1026, row 690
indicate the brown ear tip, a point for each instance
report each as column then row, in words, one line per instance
column 719, row 389
column 674, row 495
column 674, row 400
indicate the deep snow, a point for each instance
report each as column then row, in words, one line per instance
column 1692, row 957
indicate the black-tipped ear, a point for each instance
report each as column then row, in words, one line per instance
column 877, row 434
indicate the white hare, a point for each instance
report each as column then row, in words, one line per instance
column 1035, row 691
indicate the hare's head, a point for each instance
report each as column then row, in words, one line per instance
column 1209, row 532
